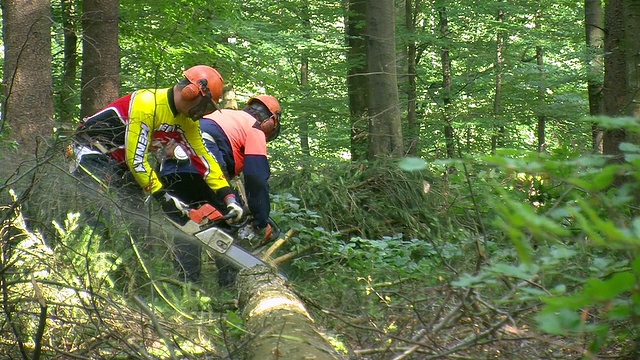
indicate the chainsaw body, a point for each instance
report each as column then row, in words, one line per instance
column 210, row 227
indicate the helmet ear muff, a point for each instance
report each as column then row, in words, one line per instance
column 192, row 90
column 271, row 126
column 189, row 92
column 268, row 125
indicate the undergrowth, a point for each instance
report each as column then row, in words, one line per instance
column 516, row 255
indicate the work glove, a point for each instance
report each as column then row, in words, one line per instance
column 234, row 209
column 264, row 235
column 175, row 151
column 174, row 209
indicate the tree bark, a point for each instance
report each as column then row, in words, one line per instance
column 615, row 84
column 67, row 99
column 542, row 118
column 278, row 324
column 28, row 84
column 443, row 25
column 357, row 85
column 413, row 128
column 385, row 132
column 594, row 31
column 632, row 47
column 100, row 61
column 498, row 136
column 304, row 80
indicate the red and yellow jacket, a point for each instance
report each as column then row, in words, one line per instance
column 138, row 123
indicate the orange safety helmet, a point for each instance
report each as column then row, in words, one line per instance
column 205, row 81
column 269, row 125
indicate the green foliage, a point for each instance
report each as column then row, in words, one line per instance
column 79, row 249
column 363, row 198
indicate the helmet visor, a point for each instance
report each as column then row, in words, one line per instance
column 203, row 107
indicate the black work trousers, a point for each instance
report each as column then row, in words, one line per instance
column 194, row 191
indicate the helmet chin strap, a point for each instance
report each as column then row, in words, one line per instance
column 200, row 109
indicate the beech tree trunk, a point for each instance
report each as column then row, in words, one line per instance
column 100, row 60
column 413, row 128
column 443, row 24
column 27, row 105
column 542, row 118
column 498, row 136
column 357, row 84
column 67, row 100
column 278, row 324
column 632, row 46
column 615, row 81
column 594, row 31
column 385, row 130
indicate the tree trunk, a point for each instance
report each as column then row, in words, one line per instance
column 229, row 98
column 385, row 132
column 413, row 129
column 100, row 61
column 632, row 47
column 28, row 84
column 615, row 83
column 304, row 81
column 498, row 136
column 357, row 85
column 278, row 324
column 542, row 118
column 67, row 100
column 446, row 82
column 594, row 31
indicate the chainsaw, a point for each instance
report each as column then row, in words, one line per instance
column 210, row 227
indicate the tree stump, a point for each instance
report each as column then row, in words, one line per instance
column 278, row 324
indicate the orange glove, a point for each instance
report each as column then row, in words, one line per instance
column 265, row 234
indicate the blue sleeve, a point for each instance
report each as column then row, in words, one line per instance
column 256, row 177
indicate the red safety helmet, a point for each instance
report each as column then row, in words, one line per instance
column 205, row 81
column 270, row 125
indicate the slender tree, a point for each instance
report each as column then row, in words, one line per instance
column 542, row 117
column 413, row 129
column 304, row 78
column 443, row 26
column 100, row 60
column 594, row 31
column 357, row 85
column 632, row 47
column 67, row 101
column 28, row 84
column 615, row 82
column 498, row 133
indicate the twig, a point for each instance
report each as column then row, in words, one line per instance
column 42, row 323
column 290, row 255
column 156, row 325
column 275, row 246
column 153, row 282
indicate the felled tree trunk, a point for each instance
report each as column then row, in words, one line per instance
column 278, row 324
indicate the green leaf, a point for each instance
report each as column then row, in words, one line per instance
column 573, row 302
column 518, row 272
column 412, row 164
column 467, row 280
column 598, row 181
column 628, row 147
column 635, row 265
column 558, row 323
column 562, row 253
column 602, row 290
